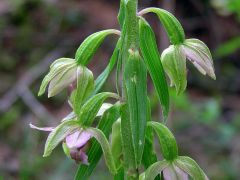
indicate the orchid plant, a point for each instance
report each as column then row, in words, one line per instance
column 123, row 131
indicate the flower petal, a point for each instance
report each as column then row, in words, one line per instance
column 79, row 156
column 104, row 107
column 62, row 80
column 70, row 116
column 56, row 68
column 48, row 129
column 77, row 139
column 199, row 54
column 174, row 173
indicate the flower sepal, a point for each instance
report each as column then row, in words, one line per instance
column 182, row 168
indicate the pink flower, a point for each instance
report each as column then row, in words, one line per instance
column 75, row 143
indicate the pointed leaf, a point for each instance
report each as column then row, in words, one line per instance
column 152, row 60
column 90, row 45
column 166, row 139
column 170, row 23
column 121, row 13
column 90, row 109
column 102, row 140
column 116, row 145
column 127, row 140
column 58, row 135
column 149, row 154
column 135, row 77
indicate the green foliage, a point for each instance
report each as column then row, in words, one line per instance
column 135, row 76
column 132, row 142
column 166, row 139
column 152, row 60
column 95, row 152
column 90, row 45
column 90, row 109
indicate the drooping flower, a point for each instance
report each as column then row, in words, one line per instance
column 63, row 72
column 174, row 61
column 75, row 142
column 182, row 168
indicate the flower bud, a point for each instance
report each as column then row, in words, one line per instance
column 174, row 64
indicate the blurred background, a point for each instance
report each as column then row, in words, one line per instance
column 33, row 33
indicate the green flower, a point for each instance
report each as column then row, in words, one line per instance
column 174, row 61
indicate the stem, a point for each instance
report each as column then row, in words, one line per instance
column 130, row 41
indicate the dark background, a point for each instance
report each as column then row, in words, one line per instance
column 33, row 33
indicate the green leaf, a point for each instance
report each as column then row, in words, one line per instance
column 166, row 139
column 174, row 63
column 188, row 165
column 85, row 86
column 90, row 109
column 102, row 140
column 95, row 152
column 135, row 77
column 154, row 170
column 91, row 44
column 149, row 154
column 116, row 145
column 127, row 140
column 121, row 13
column 151, row 58
column 104, row 75
column 120, row 174
column 59, row 134
column 170, row 23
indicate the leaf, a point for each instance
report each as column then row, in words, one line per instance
column 166, row 139
column 90, row 109
column 90, row 45
column 95, row 152
column 116, row 145
column 58, row 135
column 85, row 86
column 174, row 63
column 102, row 140
column 135, row 77
column 170, row 23
column 149, row 154
column 120, row 174
column 154, row 170
column 188, row 165
column 127, row 140
column 104, row 75
column 121, row 13
column 152, row 60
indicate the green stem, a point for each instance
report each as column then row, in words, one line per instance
column 130, row 41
